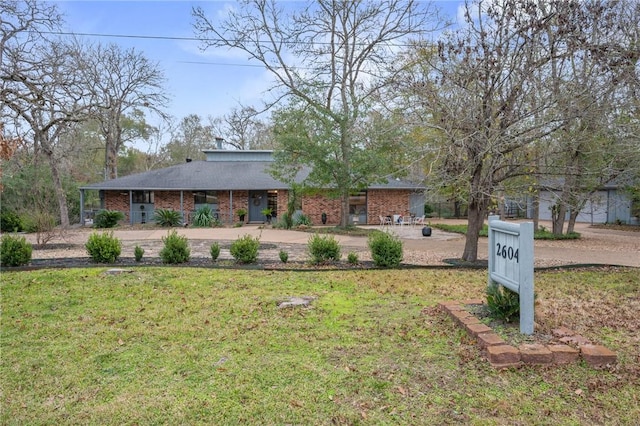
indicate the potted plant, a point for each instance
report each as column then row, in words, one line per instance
column 241, row 214
column 324, row 218
column 267, row 213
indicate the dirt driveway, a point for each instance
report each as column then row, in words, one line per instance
column 597, row 245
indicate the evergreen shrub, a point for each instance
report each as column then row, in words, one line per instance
column 10, row 222
column 107, row 218
column 215, row 251
column 14, row 251
column 138, row 252
column 103, row 248
column 502, row 303
column 245, row 249
column 176, row 248
column 386, row 249
column 323, row 249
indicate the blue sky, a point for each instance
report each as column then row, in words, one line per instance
column 204, row 83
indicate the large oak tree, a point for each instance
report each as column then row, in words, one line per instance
column 329, row 60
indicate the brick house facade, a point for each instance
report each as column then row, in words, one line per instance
column 379, row 203
column 241, row 180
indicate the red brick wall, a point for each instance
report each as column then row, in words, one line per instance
column 379, row 202
column 171, row 200
column 314, row 205
column 116, row 200
column 283, row 199
column 384, row 202
column 240, row 201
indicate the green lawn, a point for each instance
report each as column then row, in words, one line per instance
column 203, row 346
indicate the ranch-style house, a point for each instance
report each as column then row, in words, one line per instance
column 228, row 181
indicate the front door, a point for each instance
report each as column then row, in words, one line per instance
column 258, row 201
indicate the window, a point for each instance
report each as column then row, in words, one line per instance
column 142, row 197
column 272, row 201
column 358, row 203
column 205, row 197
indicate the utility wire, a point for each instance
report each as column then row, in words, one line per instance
column 214, row 40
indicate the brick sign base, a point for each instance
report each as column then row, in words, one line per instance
column 570, row 349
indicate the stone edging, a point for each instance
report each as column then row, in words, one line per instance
column 570, row 347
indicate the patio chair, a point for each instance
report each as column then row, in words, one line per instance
column 419, row 221
column 407, row 220
column 385, row 220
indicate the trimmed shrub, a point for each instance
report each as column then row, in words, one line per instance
column 14, row 251
column 107, row 218
column 245, row 249
column 284, row 256
column 502, row 303
column 323, row 249
column 215, row 251
column 303, row 219
column 103, row 248
column 167, row 218
column 352, row 258
column 386, row 249
column 138, row 252
column 203, row 217
column 10, row 222
column 283, row 222
column 176, row 248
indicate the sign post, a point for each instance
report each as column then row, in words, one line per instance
column 511, row 264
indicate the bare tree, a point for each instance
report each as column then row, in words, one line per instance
column 330, row 59
column 22, row 23
column 43, row 90
column 120, row 82
column 188, row 139
column 478, row 89
column 592, row 92
column 40, row 84
column 242, row 129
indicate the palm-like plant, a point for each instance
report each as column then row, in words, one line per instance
column 167, row 217
column 203, row 217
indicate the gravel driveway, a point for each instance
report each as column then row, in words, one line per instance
column 597, row 245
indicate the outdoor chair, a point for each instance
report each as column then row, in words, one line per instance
column 419, row 221
column 385, row 220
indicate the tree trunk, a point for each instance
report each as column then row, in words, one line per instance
column 60, row 195
column 112, row 162
column 344, row 206
column 573, row 215
column 535, row 203
column 558, row 212
column 477, row 210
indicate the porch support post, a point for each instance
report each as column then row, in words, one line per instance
column 82, row 207
column 182, row 205
column 130, row 207
column 230, row 206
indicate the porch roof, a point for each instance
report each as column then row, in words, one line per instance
column 215, row 176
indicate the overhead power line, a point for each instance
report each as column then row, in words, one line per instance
column 156, row 37
column 147, row 37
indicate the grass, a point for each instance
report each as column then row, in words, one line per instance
column 541, row 234
column 202, row 346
